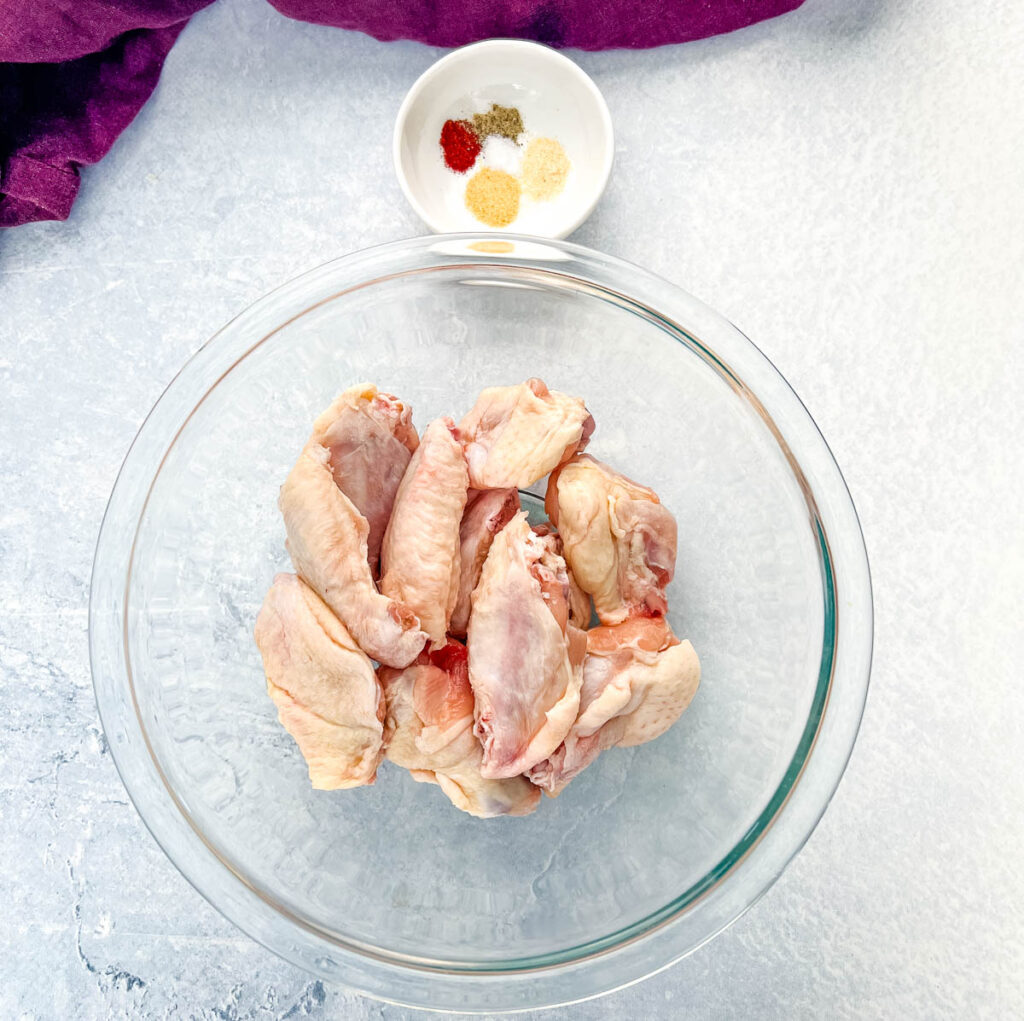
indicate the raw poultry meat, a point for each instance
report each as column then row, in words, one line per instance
column 420, row 555
column 327, row 539
column 638, row 678
column 580, row 607
column 532, row 697
column 487, row 512
column 369, row 438
column 619, row 539
column 324, row 687
column 429, row 731
column 525, row 658
column 515, row 435
column 579, row 602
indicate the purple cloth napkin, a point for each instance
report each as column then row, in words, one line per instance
column 73, row 73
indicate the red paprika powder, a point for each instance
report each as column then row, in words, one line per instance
column 459, row 145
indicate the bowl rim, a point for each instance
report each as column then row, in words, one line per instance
column 460, row 55
column 651, row 948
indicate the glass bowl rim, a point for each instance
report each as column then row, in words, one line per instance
column 595, row 273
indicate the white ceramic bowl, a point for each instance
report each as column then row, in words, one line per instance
column 556, row 99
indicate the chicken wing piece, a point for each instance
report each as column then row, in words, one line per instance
column 487, row 512
column 579, row 602
column 525, row 658
column 638, row 678
column 619, row 539
column 369, row 438
column 580, row 607
column 429, row 731
column 327, row 539
column 515, row 435
column 324, row 687
column 420, row 556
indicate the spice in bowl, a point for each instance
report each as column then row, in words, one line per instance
column 499, row 120
column 510, row 170
column 460, row 145
column 545, row 169
column 492, row 196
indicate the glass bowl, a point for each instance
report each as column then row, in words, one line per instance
column 389, row 889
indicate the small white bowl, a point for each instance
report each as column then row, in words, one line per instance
column 556, row 98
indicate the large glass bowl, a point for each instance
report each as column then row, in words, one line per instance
column 389, row 889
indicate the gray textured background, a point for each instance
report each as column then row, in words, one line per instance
column 846, row 184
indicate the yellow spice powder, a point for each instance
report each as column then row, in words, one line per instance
column 493, row 247
column 492, row 196
column 545, row 168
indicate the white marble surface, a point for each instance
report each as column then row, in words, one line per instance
column 846, row 184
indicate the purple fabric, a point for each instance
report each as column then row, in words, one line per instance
column 45, row 31
column 582, row 24
column 74, row 73
column 55, row 118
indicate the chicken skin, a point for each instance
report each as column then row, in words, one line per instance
column 487, row 512
column 525, row 658
column 327, row 540
column 414, row 552
column 515, row 435
column 638, row 678
column 420, row 556
column 619, row 539
column 429, row 731
column 327, row 695
column 579, row 601
column 369, row 438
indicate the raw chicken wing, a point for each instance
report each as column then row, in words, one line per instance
column 324, row 687
column 487, row 512
column 638, row 678
column 515, row 435
column 327, row 539
column 579, row 601
column 525, row 658
column 619, row 539
column 420, row 555
column 369, row 438
column 429, row 731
